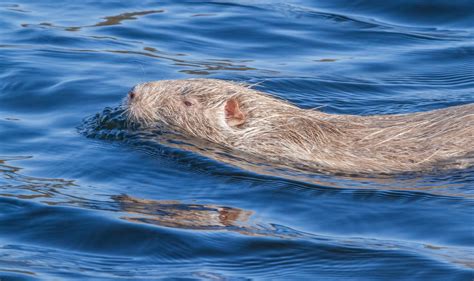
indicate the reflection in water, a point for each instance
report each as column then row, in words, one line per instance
column 108, row 21
column 220, row 218
column 114, row 20
column 164, row 213
column 188, row 216
column 205, row 217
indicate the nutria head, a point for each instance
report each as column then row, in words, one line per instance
column 204, row 108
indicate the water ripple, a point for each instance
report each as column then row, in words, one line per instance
column 99, row 198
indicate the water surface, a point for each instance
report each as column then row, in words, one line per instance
column 110, row 207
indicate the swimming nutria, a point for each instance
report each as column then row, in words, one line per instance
column 244, row 119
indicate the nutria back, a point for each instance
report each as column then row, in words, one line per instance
column 238, row 117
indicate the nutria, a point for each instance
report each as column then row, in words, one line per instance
column 241, row 118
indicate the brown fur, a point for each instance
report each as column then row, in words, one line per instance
column 238, row 117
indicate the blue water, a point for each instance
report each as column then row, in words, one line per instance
column 76, row 206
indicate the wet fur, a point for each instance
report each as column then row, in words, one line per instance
column 282, row 132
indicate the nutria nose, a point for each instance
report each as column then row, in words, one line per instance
column 131, row 95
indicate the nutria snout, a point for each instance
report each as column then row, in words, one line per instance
column 241, row 118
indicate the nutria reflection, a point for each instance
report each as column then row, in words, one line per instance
column 243, row 119
column 179, row 215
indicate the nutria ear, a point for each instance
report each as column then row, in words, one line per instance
column 233, row 115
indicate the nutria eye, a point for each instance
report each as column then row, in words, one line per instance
column 188, row 103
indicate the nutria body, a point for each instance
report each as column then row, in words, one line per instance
column 238, row 117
